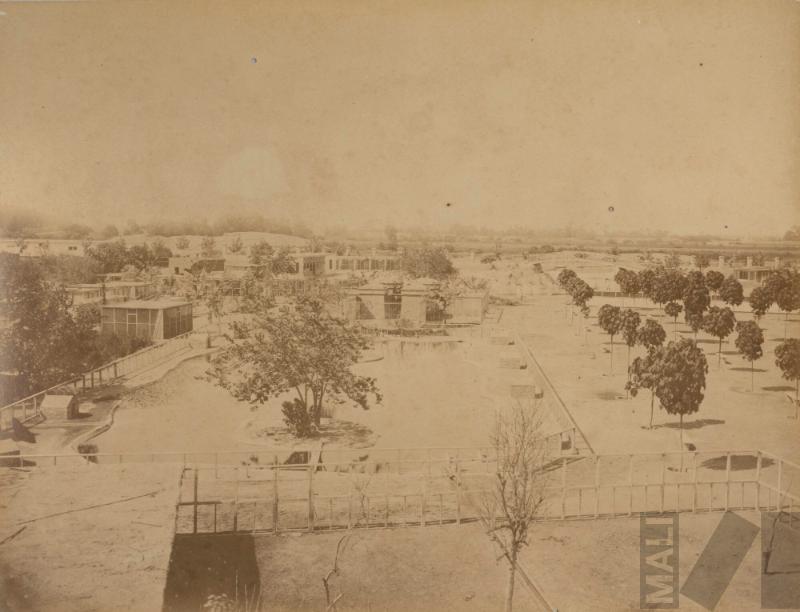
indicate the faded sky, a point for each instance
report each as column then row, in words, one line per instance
column 682, row 115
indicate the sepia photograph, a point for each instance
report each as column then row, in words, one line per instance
column 399, row 305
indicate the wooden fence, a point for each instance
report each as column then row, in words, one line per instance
column 276, row 497
column 28, row 408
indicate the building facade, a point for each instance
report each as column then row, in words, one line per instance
column 152, row 320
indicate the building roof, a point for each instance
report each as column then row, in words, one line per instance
column 56, row 401
column 151, row 304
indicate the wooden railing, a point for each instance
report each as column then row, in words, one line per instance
column 28, row 408
column 278, row 497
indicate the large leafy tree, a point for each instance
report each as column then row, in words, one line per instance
column 673, row 309
column 610, row 320
column 299, row 348
column 787, row 358
column 760, row 301
column 749, row 341
column 628, row 282
column 696, row 299
column 719, row 322
column 645, row 373
column 731, row 291
column 581, row 293
column 651, row 334
column 784, row 287
column 565, row 277
column 112, row 256
column 646, row 278
column 669, row 284
column 682, row 379
column 43, row 341
column 629, row 326
column 427, row 261
column 714, row 280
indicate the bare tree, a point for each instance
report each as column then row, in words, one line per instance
column 517, row 489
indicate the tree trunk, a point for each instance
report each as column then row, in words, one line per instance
column 681, row 427
column 785, row 323
column 652, row 401
column 611, row 369
column 719, row 355
column 511, row 576
column 627, row 393
column 752, row 377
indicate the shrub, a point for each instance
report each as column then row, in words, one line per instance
column 297, row 418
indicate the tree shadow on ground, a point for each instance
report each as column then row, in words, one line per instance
column 610, row 395
column 738, row 462
column 742, row 369
column 342, row 433
column 778, row 387
column 696, row 424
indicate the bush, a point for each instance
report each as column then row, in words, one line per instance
column 297, row 418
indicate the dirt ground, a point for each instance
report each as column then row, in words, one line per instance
column 575, row 353
column 419, row 569
column 93, row 538
column 432, row 396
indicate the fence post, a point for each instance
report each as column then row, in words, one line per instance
column 236, row 504
column 630, row 485
column 727, row 480
column 694, row 486
column 563, row 487
column 310, row 498
column 758, row 480
column 195, row 500
column 275, row 471
column 458, row 493
column 596, row 485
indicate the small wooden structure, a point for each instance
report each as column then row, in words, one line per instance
column 57, row 405
column 151, row 319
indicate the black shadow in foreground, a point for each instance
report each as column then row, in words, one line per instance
column 211, row 565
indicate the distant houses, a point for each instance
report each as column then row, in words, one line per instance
column 417, row 302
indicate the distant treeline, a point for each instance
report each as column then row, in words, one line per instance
column 26, row 224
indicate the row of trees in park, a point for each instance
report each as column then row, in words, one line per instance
column 579, row 290
column 658, row 369
column 45, row 340
column 691, row 292
column 719, row 322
